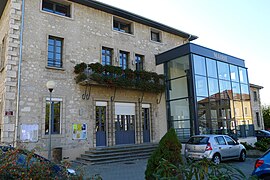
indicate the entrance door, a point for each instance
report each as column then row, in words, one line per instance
column 124, row 123
column 146, row 124
column 100, row 125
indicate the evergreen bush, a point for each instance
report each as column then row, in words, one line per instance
column 169, row 148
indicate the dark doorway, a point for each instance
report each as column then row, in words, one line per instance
column 146, row 124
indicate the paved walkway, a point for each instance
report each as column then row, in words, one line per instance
column 130, row 170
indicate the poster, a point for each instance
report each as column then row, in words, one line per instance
column 79, row 131
column 29, row 133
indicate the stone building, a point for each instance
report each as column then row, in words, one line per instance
column 256, row 106
column 44, row 40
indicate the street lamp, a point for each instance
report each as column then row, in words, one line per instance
column 50, row 86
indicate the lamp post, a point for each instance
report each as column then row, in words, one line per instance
column 50, row 86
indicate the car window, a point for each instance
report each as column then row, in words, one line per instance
column 198, row 140
column 230, row 141
column 220, row 140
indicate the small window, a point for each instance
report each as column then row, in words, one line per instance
column 255, row 95
column 123, row 59
column 198, row 140
column 56, row 8
column 55, row 46
column 155, row 36
column 2, row 53
column 139, row 62
column 122, row 25
column 56, row 114
column 258, row 119
column 106, row 56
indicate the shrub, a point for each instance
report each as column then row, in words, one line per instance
column 169, row 148
column 79, row 68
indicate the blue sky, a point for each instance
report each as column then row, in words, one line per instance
column 239, row 28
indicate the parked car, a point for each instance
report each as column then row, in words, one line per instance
column 262, row 166
column 214, row 147
column 24, row 159
column 262, row 134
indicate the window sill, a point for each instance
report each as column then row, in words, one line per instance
column 123, row 33
column 157, row 42
column 66, row 17
column 55, row 68
column 46, row 136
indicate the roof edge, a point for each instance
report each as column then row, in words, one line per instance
column 134, row 17
column 255, row 86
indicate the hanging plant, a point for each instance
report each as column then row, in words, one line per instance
column 79, row 68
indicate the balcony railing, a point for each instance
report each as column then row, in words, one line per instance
column 113, row 76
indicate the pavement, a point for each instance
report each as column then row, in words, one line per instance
column 134, row 170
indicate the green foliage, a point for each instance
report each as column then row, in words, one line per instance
column 113, row 76
column 263, row 144
column 199, row 170
column 266, row 116
column 169, row 148
column 247, row 146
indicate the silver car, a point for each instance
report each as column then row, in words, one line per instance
column 214, row 147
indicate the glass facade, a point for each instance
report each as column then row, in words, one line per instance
column 207, row 93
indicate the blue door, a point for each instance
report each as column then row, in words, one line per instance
column 124, row 129
column 100, row 125
column 146, row 125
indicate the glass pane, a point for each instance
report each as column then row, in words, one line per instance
column 245, row 92
column 178, row 67
column 214, row 108
column 51, row 41
column 243, row 75
column 199, row 65
column 62, row 10
column 203, row 107
column 236, row 91
column 58, row 43
column 211, row 68
column 247, row 110
column 223, row 71
column 179, row 109
column 225, row 89
column 213, row 87
column 234, row 73
column 201, row 86
column 58, row 49
column 238, row 110
column 50, row 55
column 50, row 48
column 58, row 56
column 178, row 88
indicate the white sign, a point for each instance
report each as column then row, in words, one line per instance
column 29, row 133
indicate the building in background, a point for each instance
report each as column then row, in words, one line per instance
column 256, row 106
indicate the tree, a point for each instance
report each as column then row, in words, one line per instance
column 169, row 148
column 266, row 116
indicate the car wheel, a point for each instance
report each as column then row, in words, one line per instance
column 242, row 156
column 265, row 177
column 216, row 159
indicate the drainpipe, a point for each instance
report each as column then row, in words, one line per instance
column 19, row 79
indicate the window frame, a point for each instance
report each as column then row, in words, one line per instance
column 47, row 103
column 255, row 96
column 121, row 59
column 118, row 23
column 56, row 4
column 139, row 66
column 54, row 61
column 159, row 36
column 106, row 55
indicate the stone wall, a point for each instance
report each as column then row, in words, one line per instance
column 84, row 35
column 256, row 107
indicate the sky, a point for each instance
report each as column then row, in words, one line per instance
column 240, row 28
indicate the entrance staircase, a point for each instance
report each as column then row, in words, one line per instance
column 118, row 153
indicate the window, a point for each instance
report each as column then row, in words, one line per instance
column 122, row 25
column 56, row 114
column 106, row 56
column 230, row 141
column 139, row 62
column 55, row 50
column 155, row 36
column 255, row 95
column 258, row 119
column 2, row 53
column 56, row 8
column 123, row 58
column 220, row 140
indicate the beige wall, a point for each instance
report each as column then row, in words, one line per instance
column 84, row 34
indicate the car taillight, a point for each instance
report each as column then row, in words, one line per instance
column 259, row 163
column 208, row 147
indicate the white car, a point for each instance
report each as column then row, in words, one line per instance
column 214, row 147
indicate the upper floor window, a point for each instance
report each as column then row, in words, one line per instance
column 255, row 95
column 56, row 8
column 123, row 59
column 56, row 114
column 155, row 36
column 139, row 62
column 106, row 56
column 55, row 46
column 122, row 25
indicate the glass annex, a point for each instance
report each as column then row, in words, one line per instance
column 207, row 92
